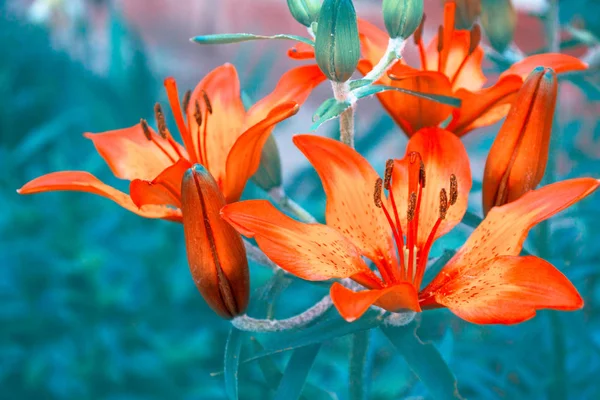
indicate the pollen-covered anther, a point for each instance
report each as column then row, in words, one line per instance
column 413, row 157
column 389, row 168
column 160, row 121
column 186, row 99
column 197, row 113
column 422, row 176
column 475, row 38
column 377, row 193
column 453, row 189
column 207, row 102
column 443, row 204
column 146, row 129
column 418, row 35
column 412, row 206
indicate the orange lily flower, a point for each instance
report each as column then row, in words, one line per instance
column 216, row 130
column 450, row 66
column 485, row 282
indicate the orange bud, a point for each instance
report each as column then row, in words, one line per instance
column 518, row 157
column 216, row 253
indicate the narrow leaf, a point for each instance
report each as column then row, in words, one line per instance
column 370, row 90
column 332, row 112
column 226, row 38
column 424, row 360
column 296, row 372
column 359, row 83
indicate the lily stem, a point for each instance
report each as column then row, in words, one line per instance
column 278, row 196
column 392, row 54
column 246, row 323
column 341, row 92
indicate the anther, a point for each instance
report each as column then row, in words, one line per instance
column 389, row 167
column 443, row 204
column 453, row 189
column 475, row 37
column 186, row 100
column 146, row 129
column 422, row 174
column 207, row 102
column 419, row 31
column 377, row 193
column 197, row 113
column 440, row 43
column 160, row 120
column 413, row 156
column 412, row 205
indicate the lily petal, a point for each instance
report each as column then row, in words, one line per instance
column 443, row 154
column 80, row 181
column 505, row 228
column 224, row 125
column 374, row 43
column 244, row 158
column 507, row 290
column 295, row 85
column 301, row 51
column 558, row 62
column 130, row 155
column 165, row 189
column 352, row 305
column 314, row 252
column 349, row 181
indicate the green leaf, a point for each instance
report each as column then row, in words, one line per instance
column 337, row 47
column 359, row 83
column 370, row 90
column 357, row 368
column 296, row 372
column 424, row 360
column 335, row 109
column 232, row 362
column 226, row 38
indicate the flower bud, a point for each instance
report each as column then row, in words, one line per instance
column 517, row 159
column 499, row 20
column 337, row 47
column 467, row 12
column 402, row 17
column 268, row 175
column 304, row 11
column 216, row 253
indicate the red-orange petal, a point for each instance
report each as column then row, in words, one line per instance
column 349, row 182
column 412, row 113
column 215, row 251
column 505, row 228
column 165, row 189
column 301, row 51
column 517, row 160
column 295, row 85
column 244, row 158
column 313, row 252
column 80, row 181
column 558, row 62
column 130, row 155
column 507, row 290
column 224, row 125
column 373, row 43
column 352, row 305
column 484, row 107
column 443, row 155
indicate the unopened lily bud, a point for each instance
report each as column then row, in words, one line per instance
column 337, row 47
column 402, row 17
column 305, row 11
column 216, row 253
column 499, row 20
column 268, row 175
column 518, row 157
column 467, row 12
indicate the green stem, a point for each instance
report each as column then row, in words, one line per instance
column 341, row 92
column 392, row 54
column 357, row 365
column 282, row 200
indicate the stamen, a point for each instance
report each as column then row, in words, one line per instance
column 160, row 121
column 389, row 167
column 377, row 193
column 186, row 100
column 440, row 47
column 453, row 189
column 173, row 96
column 412, row 204
column 422, row 174
column 146, row 129
column 475, row 37
column 443, row 204
column 418, row 35
column 207, row 101
column 197, row 113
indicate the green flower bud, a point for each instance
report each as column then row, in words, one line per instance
column 402, row 17
column 304, row 11
column 499, row 20
column 268, row 175
column 337, row 46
